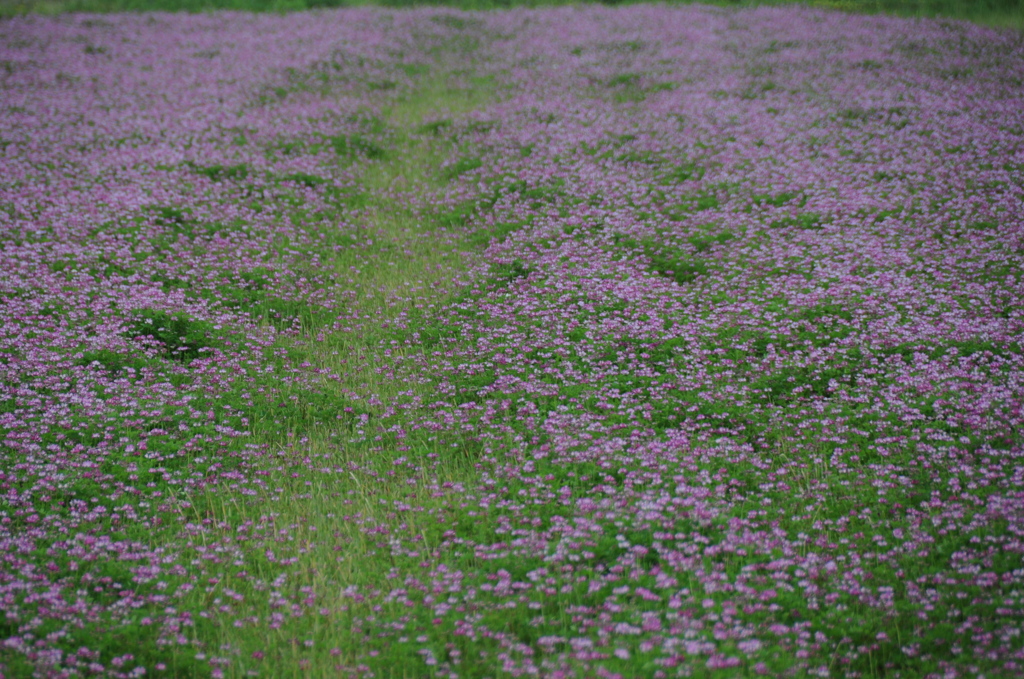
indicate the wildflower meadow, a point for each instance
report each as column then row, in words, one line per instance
column 644, row 341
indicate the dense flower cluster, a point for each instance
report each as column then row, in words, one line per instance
column 733, row 383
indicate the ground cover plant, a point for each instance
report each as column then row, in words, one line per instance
column 1001, row 13
column 637, row 342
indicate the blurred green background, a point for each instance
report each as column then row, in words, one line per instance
column 1002, row 13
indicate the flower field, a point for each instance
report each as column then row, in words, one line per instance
column 570, row 342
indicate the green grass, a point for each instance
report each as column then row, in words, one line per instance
column 414, row 160
column 997, row 13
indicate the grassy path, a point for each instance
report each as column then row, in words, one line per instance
column 327, row 475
